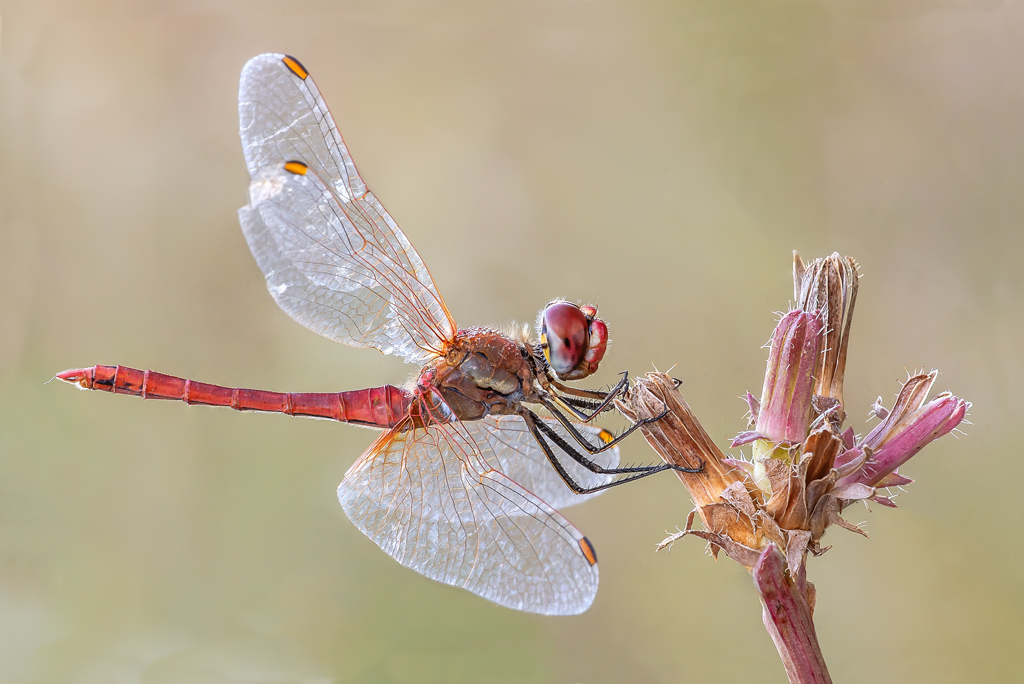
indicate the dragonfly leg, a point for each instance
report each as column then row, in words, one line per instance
column 583, row 404
column 583, row 441
column 571, row 451
column 542, row 433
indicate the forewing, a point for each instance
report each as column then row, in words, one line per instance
column 333, row 258
column 429, row 499
column 328, row 275
column 508, row 446
column 283, row 117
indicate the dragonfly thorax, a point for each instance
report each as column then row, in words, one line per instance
column 484, row 372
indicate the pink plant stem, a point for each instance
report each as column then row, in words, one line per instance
column 787, row 617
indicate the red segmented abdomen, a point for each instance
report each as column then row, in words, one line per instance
column 377, row 406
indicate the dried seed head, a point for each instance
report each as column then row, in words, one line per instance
column 829, row 286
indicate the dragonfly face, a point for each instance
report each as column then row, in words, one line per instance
column 573, row 339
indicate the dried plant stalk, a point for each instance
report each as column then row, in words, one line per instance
column 770, row 512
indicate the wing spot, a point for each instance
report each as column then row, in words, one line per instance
column 295, row 66
column 296, row 167
column 588, row 550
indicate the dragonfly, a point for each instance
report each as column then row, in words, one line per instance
column 464, row 483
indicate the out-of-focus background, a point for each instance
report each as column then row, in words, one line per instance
column 661, row 159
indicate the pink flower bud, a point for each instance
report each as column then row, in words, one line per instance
column 785, row 411
column 907, row 429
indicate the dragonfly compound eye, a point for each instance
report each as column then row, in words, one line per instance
column 564, row 336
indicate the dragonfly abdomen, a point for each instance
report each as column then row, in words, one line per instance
column 376, row 406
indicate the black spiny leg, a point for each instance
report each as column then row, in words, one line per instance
column 595, row 468
column 583, row 441
column 541, row 432
column 583, row 404
column 588, row 405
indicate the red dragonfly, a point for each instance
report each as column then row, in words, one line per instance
column 460, row 487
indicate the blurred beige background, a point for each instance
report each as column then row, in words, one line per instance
column 661, row 159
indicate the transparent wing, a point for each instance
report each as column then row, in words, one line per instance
column 508, row 446
column 429, row 499
column 333, row 258
column 332, row 277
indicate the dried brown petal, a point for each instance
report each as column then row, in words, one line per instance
column 737, row 495
column 742, row 554
column 796, row 550
column 821, row 447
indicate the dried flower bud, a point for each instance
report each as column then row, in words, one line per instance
column 830, row 286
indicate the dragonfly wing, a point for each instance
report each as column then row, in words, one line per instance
column 283, row 117
column 508, row 446
column 326, row 274
column 428, row 498
column 334, row 259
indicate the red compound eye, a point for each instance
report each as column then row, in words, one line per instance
column 564, row 332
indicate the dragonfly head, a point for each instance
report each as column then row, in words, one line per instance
column 573, row 339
